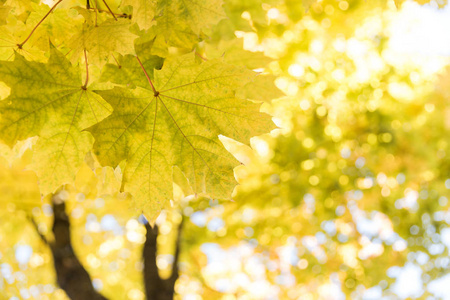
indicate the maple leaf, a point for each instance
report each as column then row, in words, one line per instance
column 233, row 53
column 143, row 12
column 197, row 14
column 102, row 40
column 7, row 43
column 13, row 34
column 55, row 26
column 49, row 100
column 262, row 88
column 176, row 121
column 128, row 72
column 151, row 43
column 181, row 22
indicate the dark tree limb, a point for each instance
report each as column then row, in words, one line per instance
column 157, row 288
column 71, row 276
column 152, row 281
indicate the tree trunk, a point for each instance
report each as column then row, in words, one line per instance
column 73, row 278
column 70, row 273
column 157, row 288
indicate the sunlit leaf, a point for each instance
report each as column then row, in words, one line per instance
column 178, row 124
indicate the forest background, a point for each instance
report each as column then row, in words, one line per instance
column 126, row 125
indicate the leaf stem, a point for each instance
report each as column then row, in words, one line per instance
column 156, row 93
column 200, row 56
column 37, row 25
column 87, row 71
column 104, row 1
column 117, row 62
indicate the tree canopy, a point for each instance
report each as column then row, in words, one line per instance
column 257, row 149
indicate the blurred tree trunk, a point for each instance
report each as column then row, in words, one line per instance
column 157, row 288
column 73, row 278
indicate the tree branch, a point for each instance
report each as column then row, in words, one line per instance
column 157, row 288
column 152, row 281
column 70, row 273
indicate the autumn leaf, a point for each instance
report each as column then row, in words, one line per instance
column 49, row 100
column 56, row 25
column 263, row 88
column 143, row 12
column 175, row 120
column 128, row 71
column 233, row 53
column 181, row 22
column 102, row 40
column 197, row 14
column 13, row 34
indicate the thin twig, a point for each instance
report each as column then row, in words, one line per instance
column 203, row 58
column 117, row 62
column 104, row 1
column 35, row 27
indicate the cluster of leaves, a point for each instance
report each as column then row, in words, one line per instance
column 111, row 96
column 158, row 106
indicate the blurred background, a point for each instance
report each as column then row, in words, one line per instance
column 348, row 199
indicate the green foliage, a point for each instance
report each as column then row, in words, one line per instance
column 153, row 127
column 175, row 121
column 135, row 106
column 49, row 100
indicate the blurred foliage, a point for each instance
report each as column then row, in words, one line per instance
column 350, row 188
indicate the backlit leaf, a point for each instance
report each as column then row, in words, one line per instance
column 178, row 124
column 102, row 40
column 48, row 100
column 143, row 12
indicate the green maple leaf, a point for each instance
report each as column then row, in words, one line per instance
column 233, row 53
column 49, row 100
column 180, row 22
column 151, row 43
column 7, row 43
column 175, row 121
column 15, row 33
column 102, row 40
column 129, row 72
column 55, row 26
column 262, row 88
column 197, row 14
column 143, row 11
